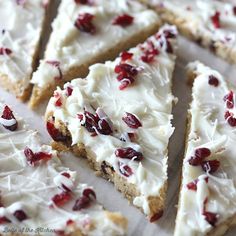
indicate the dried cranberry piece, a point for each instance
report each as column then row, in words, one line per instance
column 212, row 80
column 55, row 133
column 32, row 157
column 128, row 153
column 199, row 155
column 81, row 203
column 89, row 193
column 157, row 216
column 132, row 121
column 8, row 115
column 4, row 220
column 60, row 232
column 169, row 34
column 210, row 217
column 229, row 99
column 192, row 185
column 84, row 23
column 57, row 65
column 5, row 51
column 125, row 169
column 67, row 175
column 20, row 215
column 69, row 222
column 126, row 56
column 61, row 198
column 123, row 20
column 149, row 53
column 58, row 102
column 104, row 127
column 210, row 166
column 69, row 91
column 82, row 1
column 216, row 19
column 229, row 117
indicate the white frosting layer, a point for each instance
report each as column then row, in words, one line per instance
column 71, row 47
column 149, row 98
column 198, row 14
column 209, row 129
column 31, row 188
column 20, row 29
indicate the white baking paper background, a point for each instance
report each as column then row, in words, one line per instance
column 106, row 193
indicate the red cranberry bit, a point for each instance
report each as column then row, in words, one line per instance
column 82, row 1
column 199, row 155
column 229, row 117
column 169, row 34
column 132, row 121
column 125, row 169
column 84, row 23
column 8, row 115
column 60, row 232
column 58, row 102
column 123, row 20
column 128, row 153
column 4, row 220
column 69, row 91
column 126, row 56
column 89, row 193
column 67, row 175
column 57, row 65
column 32, row 157
column 229, row 99
column 157, row 216
column 192, row 185
column 212, row 80
column 210, row 217
column 126, row 74
column 55, row 133
column 20, row 215
column 61, row 198
column 70, row 222
column 149, row 53
column 210, row 166
column 5, row 51
column 216, row 20
column 81, row 203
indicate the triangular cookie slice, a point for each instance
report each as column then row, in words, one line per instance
column 21, row 28
column 41, row 196
column 119, row 117
column 207, row 202
column 87, row 32
column 210, row 23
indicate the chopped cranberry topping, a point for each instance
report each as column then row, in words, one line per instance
column 61, row 198
column 229, row 99
column 94, row 123
column 132, row 121
column 125, row 169
column 157, row 216
column 5, row 51
column 82, row 1
column 57, row 65
column 210, row 166
column 193, row 185
column 67, row 175
column 20, row 215
column 84, row 23
column 169, row 34
column 229, row 117
column 199, row 156
column 58, row 101
column 60, row 232
column 8, row 115
column 55, row 133
column 149, row 52
column 213, row 81
column 69, row 222
column 126, row 74
column 32, row 157
column 216, row 19
column 128, row 153
column 126, row 56
column 123, row 20
column 69, row 91
column 89, row 193
column 4, row 220
column 210, row 217
column 81, row 203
